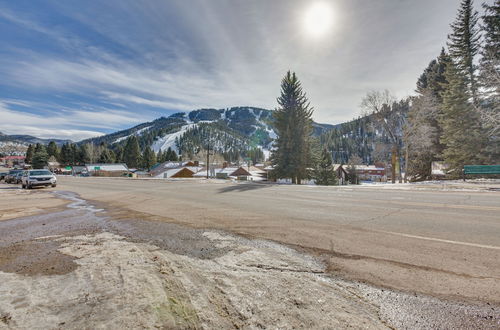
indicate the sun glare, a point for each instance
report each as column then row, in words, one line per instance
column 318, row 19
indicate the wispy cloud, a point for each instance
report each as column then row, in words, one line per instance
column 63, row 124
column 175, row 55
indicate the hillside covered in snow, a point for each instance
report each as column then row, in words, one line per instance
column 230, row 130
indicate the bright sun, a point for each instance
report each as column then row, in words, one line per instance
column 318, row 19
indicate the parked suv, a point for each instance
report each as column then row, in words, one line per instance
column 10, row 178
column 3, row 175
column 33, row 178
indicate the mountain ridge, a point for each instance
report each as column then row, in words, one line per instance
column 245, row 126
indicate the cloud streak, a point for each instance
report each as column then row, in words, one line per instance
column 160, row 57
column 63, row 124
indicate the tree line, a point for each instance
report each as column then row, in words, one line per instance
column 454, row 118
column 69, row 154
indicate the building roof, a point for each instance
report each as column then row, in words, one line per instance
column 107, row 167
column 173, row 171
column 13, row 158
column 368, row 168
column 159, row 169
column 232, row 171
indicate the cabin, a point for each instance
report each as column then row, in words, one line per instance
column 225, row 173
column 107, row 170
column 174, row 170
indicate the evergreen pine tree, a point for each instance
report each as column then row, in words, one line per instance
column 168, row 154
column 423, row 130
column 173, row 156
column 489, row 76
column 119, row 154
column 148, row 158
column 29, row 154
column 131, row 152
column 52, row 149
column 292, row 157
column 490, row 61
column 433, row 78
column 40, row 157
column 39, row 147
column 463, row 44
column 159, row 157
column 106, row 156
column 324, row 173
column 462, row 136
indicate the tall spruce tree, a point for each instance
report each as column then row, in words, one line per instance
column 489, row 76
column 53, row 149
column 29, row 154
column 148, row 158
column 433, row 78
column 324, row 173
column 131, row 152
column 490, row 61
column 462, row 136
column 119, row 154
column 40, row 157
column 107, row 156
column 292, row 156
column 463, row 44
column 423, row 130
column 39, row 147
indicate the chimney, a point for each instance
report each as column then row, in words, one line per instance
column 224, row 165
column 196, row 163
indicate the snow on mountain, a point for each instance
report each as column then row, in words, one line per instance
column 168, row 141
column 136, row 133
column 240, row 128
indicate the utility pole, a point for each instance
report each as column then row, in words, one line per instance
column 208, row 153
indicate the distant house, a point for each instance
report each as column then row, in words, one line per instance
column 109, row 170
column 13, row 160
column 174, row 170
column 225, row 173
column 181, row 172
column 258, row 173
column 371, row 173
column 341, row 173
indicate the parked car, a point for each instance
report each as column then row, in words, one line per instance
column 9, row 178
column 3, row 175
column 18, row 178
column 34, row 178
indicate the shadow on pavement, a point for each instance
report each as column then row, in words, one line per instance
column 241, row 187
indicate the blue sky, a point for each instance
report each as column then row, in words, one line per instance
column 76, row 69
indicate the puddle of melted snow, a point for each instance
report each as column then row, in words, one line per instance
column 78, row 203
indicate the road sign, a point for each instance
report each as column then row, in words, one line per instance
column 97, row 168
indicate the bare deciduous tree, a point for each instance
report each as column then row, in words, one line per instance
column 388, row 115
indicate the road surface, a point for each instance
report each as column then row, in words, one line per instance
column 441, row 243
